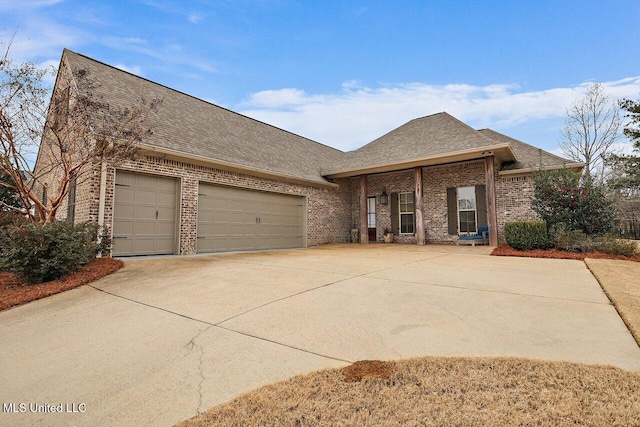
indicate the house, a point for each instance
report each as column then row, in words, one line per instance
column 210, row 179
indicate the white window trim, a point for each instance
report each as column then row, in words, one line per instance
column 475, row 211
column 400, row 213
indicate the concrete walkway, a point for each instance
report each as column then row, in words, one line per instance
column 165, row 338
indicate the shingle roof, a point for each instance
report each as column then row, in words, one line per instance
column 425, row 137
column 529, row 157
column 195, row 127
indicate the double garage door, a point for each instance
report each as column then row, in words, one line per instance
column 234, row 219
column 229, row 219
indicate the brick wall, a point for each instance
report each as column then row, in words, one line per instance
column 513, row 197
column 328, row 210
column 436, row 180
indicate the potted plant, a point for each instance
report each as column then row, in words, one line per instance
column 388, row 236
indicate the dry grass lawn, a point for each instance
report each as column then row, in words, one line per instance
column 620, row 280
column 440, row 391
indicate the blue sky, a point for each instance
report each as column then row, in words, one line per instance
column 346, row 72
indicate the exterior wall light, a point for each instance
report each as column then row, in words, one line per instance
column 384, row 197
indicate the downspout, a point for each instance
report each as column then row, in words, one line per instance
column 103, row 196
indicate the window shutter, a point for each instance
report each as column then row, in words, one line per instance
column 481, row 204
column 414, row 211
column 452, row 210
column 395, row 211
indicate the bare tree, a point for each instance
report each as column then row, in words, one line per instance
column 591, row 128
column 77, row 132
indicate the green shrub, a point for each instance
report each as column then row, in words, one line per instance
column 571, row 240
column 614, row 245
column 526, row 235
column 560, row 198
column 39, row 253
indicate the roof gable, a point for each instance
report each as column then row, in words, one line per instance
column 188, row 125
column 430, row 137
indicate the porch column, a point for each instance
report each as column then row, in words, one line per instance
column 364, row 224
column 419, row 205
column 492, row 218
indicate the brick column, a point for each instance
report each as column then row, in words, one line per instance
column 492, row 218
column 188, row 215
column 419, row 206
column 364, row 224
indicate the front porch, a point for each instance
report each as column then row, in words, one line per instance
column 427, row 204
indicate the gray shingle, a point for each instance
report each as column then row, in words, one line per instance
column 529, row 157
column 429, row 136
column 192, row 126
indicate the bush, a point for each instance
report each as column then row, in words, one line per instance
column 560, row 198
column 571, row 240
column 39, row 253
column 614, row 245
column 526, row 235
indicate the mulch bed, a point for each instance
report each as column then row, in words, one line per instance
column 505, row 250
column 14, row 292
column 367, row 369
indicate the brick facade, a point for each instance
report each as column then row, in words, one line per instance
column 328, row 219
column 331, row 213
column 513, row 196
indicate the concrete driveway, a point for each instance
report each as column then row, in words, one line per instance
column 165, row 338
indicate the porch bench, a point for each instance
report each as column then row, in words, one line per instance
column 482, row 238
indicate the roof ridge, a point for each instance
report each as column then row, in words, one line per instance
column 65, row 50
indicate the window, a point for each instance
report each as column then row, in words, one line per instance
column 467, row 210
column 371, row 212
column 405, row 204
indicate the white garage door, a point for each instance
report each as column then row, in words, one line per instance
column 234, row 219
column 144, row 216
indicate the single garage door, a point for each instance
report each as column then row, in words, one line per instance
column 234, row 219
column 144, row 216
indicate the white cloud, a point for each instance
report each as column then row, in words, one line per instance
column 135, row 69
column 195, row 18
column 178, row 56
column 21, row 5
column 41, row 37
column 355, row 114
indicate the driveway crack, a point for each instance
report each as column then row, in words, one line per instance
column 190, row 346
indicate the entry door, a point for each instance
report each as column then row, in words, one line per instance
column 371, row 218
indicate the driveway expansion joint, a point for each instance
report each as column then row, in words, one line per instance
column 217, row 325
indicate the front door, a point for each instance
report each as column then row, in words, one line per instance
column 371, row 218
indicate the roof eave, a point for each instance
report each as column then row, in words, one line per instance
column 155, row 151
column 503, row 153
column 576, row 166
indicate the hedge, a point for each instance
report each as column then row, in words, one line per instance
column 525, row 235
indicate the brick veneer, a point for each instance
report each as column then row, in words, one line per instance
column 331, row 213
column 328, row 218
column 513, row 196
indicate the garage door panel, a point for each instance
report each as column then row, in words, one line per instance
column 137, row 229
column 144, row 212
column 227, row 219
